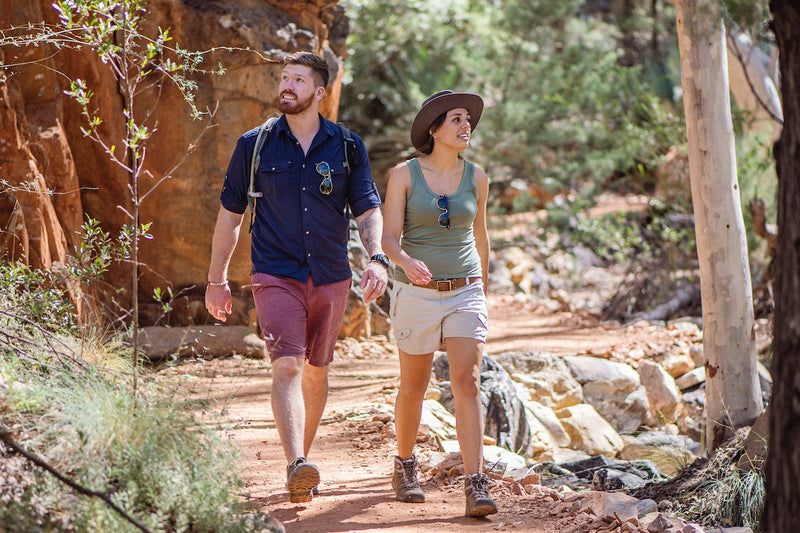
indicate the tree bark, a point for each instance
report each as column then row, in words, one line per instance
column 733, row 396
column 782, row 506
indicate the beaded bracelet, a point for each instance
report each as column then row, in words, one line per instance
column 217, row 283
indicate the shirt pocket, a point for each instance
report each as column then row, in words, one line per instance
column 339, row 179
column 276, row 178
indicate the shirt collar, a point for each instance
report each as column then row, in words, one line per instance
column 326, row 126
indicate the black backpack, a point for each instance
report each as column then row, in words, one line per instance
column 350, row 152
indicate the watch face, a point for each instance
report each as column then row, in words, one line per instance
column 380, row 258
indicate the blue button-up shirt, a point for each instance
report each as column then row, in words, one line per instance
column 298, row 230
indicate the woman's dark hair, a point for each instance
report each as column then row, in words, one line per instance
column 427, row 148
column 318, row 66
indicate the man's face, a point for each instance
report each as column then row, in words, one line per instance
column 297, row 90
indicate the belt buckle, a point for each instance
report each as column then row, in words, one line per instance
column 441, row 283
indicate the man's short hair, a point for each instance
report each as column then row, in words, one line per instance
column 318, row 66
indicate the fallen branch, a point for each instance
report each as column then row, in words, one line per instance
column 5, row 436
column 683, row 295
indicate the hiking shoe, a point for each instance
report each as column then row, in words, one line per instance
column 476, row 490
column 404, row 480
column 301, row 478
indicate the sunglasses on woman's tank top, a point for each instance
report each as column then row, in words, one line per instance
column 444, row 218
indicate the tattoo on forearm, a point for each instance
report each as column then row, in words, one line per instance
column 370, row 235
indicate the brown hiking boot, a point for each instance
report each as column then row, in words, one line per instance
column 476, row 490
column 301, row 478
column 404, row 480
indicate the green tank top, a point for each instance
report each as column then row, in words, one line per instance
column 448, row 253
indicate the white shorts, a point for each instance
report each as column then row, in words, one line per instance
column 423, row 318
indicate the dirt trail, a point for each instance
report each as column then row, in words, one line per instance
column 356, row 493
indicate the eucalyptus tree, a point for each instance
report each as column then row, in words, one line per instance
column 733, row 395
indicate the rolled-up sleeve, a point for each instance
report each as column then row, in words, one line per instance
column 363, row 194
column 234, row 188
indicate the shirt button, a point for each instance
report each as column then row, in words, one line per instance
column 304, row 188
column 309, row 254
column 306, row 233
column 305, row 209
column 304, row 165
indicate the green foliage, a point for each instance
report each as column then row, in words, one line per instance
column 164, row 297
column 399, row 53
column 747, row 13
column 560, row 107
column 45, row 297
column 94, row 253
column 624, row 237
column 567, row 110
column 37, row 295
column 146, row 452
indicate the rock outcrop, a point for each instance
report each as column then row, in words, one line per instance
column 69, row 176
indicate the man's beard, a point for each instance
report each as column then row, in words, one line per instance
column 295, row 107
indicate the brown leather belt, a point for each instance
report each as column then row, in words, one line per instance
column 449, row 284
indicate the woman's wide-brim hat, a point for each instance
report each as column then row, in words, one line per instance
column 439, row 103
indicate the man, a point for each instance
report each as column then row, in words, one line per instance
column 300, row 276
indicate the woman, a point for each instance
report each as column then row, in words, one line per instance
column 437, row 203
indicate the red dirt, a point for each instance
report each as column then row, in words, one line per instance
column 356, row 493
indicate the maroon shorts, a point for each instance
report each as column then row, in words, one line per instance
column 298, row 319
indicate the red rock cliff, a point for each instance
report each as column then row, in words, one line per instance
column 69, row 176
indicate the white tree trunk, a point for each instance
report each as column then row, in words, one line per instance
column 753, row 87
column 733, row 395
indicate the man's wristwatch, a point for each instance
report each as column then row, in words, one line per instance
column 382, row 259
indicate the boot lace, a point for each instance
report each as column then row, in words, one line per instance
column 479, row 484
column 409, row 471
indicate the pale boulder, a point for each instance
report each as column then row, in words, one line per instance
column 545, row 375
column 662, row 392
column 589, row 432
column 677, row 359
column 612, row 506
column 692, row 378
column 613, row 389
column 544, row 418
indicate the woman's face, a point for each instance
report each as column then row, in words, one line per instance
column 455, row 131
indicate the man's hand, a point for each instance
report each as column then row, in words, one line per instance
column 218, row 301
column 373, row 281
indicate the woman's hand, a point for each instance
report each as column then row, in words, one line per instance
column 417, row 271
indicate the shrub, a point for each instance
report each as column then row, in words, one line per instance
column 146, row 453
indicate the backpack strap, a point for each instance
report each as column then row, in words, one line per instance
column 350, row 152
column 349, row 146
column 263, row 133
